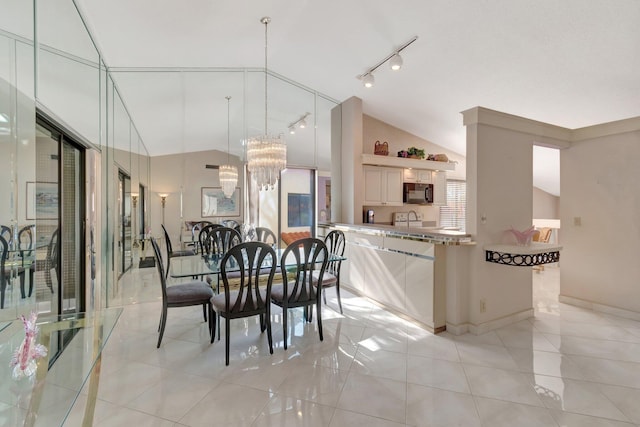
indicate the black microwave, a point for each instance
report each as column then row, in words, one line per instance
column 417, row 194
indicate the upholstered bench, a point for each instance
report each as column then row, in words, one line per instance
column 292, row 236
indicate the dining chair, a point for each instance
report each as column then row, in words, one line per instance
column 220, row 240
column 204, row 244
column 4, row 279
column 51, row 260
column 249, row 296
column 264, row 234
column 195, row 233
column 26, row 238
column 335, row 242
column 6, row 234
column 170, row 252
column 181, row 295
column 298, row 262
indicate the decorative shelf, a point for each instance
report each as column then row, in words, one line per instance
column 523, row 256
column 403, row 162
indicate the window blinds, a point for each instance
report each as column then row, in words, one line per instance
column 453, row 214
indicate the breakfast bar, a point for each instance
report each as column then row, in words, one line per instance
column 401, row 268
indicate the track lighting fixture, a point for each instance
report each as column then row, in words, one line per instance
column 300, row 123
column 395, row 63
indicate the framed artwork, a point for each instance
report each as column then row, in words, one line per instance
column 42, row 200
column 299, row 210
column 214, row 203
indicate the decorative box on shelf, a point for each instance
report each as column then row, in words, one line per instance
column 381, row 148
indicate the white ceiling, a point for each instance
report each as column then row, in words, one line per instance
column 571, row 63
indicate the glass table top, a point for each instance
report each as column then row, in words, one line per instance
column 46, row 398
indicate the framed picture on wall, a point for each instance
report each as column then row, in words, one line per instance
column 214, row 203
column 42, row 200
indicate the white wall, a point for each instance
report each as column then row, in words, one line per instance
column 599, row 186
column 185, row 173
column 545, row 205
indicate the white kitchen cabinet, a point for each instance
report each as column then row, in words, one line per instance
column 384, row 278
column 419, row 290
column 439, row 188
column 382, row 186
column 419, row 176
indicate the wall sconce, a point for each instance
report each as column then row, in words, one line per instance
column 163, row 200
column 395, row 63
column 134, row 199
column 301, row 123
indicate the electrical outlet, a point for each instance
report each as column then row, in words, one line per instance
column 577, row 221
column 483, row 305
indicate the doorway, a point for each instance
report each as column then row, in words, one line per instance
column 124, row 223
column 59, row 211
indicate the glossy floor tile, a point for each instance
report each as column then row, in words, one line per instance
column 566, row 367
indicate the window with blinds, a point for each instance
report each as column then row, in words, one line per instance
column 453, row 214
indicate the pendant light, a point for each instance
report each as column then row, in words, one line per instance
column 266, row 154
column 228, row 173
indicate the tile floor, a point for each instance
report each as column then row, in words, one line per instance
column 565, row 367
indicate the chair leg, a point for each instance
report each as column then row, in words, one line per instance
column 30, row 281
column 284, row 326
column 338, row 294
column 268, row 321
column 3, row 288
column 204, row 311
column 324, row 295
column 212, row 324
column 318, row 313
column 163, row 323
column 22, row 279
column 262, row 323
column 227, row 333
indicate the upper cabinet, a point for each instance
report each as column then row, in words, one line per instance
column 382, row 186
column 439, row 187
column 419, row 176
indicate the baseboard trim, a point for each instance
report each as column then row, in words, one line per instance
column 603, row 308
column 478, row 329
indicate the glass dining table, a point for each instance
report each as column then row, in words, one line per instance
column 200, row 266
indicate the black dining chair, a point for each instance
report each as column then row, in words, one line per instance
column 204, row 244
column 220, row 240
column 250, row 266
column 195, row 233
column 51, row 260
column 265, row 235
column 181, row 295
column 298, row 263
column 4, row 279
column 26, row 239
column 171, row 253
column 335, row 242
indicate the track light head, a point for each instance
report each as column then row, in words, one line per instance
column 368, row 80
column 395, row 63
column 292, row 130
column 302, row 124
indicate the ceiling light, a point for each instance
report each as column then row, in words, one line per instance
column 301, row 123
column 368, row 80
column 228, row 174
column 266, row 155
column 395, row 62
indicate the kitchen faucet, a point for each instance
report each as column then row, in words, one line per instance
column 415, row 216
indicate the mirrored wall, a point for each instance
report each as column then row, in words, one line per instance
column 111, row 115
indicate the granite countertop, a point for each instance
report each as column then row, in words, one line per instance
column 429, row 234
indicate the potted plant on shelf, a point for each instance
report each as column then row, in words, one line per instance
column 415, row 153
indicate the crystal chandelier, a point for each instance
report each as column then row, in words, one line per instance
column 228, row 173
column 266, row 154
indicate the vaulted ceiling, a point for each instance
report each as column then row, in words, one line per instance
column 571, row 63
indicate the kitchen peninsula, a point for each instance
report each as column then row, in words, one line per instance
column 401, row 268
